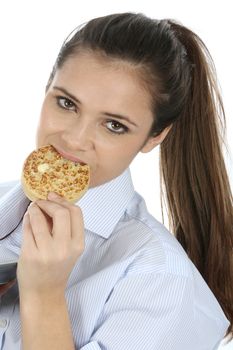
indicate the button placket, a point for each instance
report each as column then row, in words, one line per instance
column 3, row 323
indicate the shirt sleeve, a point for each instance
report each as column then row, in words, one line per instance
column 150, row 311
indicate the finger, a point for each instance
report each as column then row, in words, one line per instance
column 54, row 196
column 39, row 226
column 77, row 223
column 28, row 241
column 60, row 216
column 48, row 220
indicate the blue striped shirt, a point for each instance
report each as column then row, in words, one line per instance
column 133, row 287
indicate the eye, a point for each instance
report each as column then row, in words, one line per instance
column 117, row 128
column 65, row 103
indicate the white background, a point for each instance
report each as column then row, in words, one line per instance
column 31, row 33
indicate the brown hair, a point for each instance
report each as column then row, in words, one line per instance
column 180, row 76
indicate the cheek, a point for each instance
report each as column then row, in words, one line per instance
column 47, row 113
column 47, row 123
column 119, row 151
column 45, row 127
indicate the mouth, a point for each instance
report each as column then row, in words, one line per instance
column 69, row 156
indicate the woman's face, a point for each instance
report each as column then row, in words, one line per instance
column 76, row 115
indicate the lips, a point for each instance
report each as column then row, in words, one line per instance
column 69, row 156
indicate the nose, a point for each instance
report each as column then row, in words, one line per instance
column 79, row 136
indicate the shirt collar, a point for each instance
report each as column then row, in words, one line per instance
column 102, row 206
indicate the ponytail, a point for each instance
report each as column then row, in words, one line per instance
column 194, row 176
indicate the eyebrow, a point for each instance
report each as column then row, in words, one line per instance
column 119, row 116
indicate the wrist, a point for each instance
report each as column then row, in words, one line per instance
column 45, row 321
column 42, row 301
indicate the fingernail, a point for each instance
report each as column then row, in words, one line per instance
column 53, row 195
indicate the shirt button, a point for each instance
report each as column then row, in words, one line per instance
column 3, row 323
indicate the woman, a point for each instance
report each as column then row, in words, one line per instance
column 105, row 274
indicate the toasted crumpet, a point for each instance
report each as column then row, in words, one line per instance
column 45, row 170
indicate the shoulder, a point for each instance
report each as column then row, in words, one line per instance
column 160, row 261
column 150, row 242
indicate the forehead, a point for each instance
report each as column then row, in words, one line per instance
column 114, row 81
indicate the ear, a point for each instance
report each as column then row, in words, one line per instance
column 154, row 141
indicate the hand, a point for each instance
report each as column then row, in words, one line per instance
column 53, row 240
column 5, row 287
